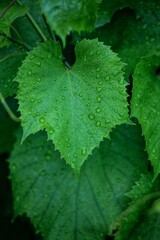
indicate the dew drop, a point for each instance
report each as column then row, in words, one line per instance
column 98, row 124
column 99, row 99
column 98, row 110
column 100, row 83
column 91, row 53
column 42, row 120
column 29, row 72
column 38, row 64
column 51, row 131
column 72, row 165
column 84, row 152
column 107, row 78
column 99, row 89
column 98, row 69
column 80, row 94
column 85, row 59
column 91, row 116
column 121, row 82
column 98, row 52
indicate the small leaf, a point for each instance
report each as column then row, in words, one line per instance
column 62, row 205
column 145, row 105
column 141, row 187
column 77, row 107
column 7, row 19
column 66, row 16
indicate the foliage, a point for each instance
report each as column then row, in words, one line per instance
column 82, row 80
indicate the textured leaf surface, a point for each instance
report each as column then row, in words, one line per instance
column 10, row 60
column 145, row 105
column 63, row 205
column 77, row 107
column 6, row 21
column 71, row 15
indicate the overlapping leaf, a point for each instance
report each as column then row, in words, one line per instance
column 26, row 29
column 62, row 205
column 6, row 21
column 77, row 107
column 10, row 60
column 145, row 105
column 129, row 224
column 7, row 128
column 132, row 32
column 66, row 16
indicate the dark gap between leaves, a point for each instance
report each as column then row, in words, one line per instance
column 21, row 228
column 158, row 72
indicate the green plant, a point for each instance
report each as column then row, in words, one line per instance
column 86, row 159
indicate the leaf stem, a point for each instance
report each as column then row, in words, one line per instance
column 35, row 24
column 7, row 8
column 15, row 41
column 8, row 110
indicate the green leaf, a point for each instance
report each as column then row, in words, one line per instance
column 145, row 105
column 147, row 229
column 62, row 205
column 6, row 21
column 26, row 29
column 7, row 128
column 10, row 60
column 139, row 220
column 66, row 16
column 77, row 107
column 132, row 217
column 142, row 186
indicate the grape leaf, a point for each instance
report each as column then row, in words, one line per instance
column 10, row 60
column 62, row 205
column 66, row 16
column 6, row 22
column 77, row 107
column 141, row 187
column 145, row 105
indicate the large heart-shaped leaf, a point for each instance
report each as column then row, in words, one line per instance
column 77, row 107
